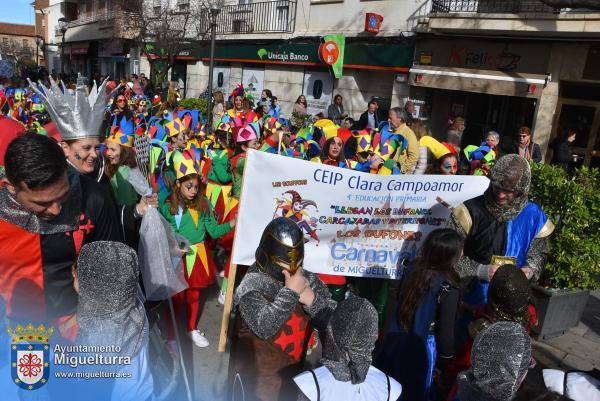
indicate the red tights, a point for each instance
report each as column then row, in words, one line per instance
column 191, row 299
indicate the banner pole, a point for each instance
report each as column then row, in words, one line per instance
column 231, row 277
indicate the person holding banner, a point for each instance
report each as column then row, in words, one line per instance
column 278, row 302
column 191, row 215
column 501, row 227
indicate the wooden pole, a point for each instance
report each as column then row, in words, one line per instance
column 232, row 273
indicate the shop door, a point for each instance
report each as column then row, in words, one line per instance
column 583, row 117
column 179, row 75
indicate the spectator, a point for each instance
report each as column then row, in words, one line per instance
column 219, row 107
column 410, row 109
column 370, row 118
column 275, row 109
column 525, row 148
column 454, row 134
column 300, row 112
column 349, row 123
column 420, row 131
column 561, row 149
column 408, row 157
column 335, row 111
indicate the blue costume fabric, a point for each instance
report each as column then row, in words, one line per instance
column 410, row 357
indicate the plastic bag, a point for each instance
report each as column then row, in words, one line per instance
column 160, row 249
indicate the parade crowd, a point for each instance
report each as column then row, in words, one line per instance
column 84, row 166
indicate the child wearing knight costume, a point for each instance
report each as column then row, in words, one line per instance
column 191, row 215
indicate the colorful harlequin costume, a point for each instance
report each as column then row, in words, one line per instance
column 193, row 224
column 480, row 159
column 123, row 191
column 273, row 329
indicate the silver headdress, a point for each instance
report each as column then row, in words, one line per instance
column 76, row 116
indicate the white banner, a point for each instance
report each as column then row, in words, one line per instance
column 354, row 224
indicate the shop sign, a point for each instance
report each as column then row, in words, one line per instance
column 282, row 55
column 331, row 52
column 373, row 22
column 485, row 55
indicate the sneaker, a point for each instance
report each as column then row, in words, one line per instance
column 198, row 338
column 222, row 274
column 221, row 298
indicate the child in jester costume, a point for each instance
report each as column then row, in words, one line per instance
column 246, row 138
column 191, row 215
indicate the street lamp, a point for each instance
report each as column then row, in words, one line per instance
column 215, row 9
column 39, row 42
column 63, row 24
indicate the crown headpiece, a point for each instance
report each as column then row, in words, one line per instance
column 76, row 117
column 30, row 333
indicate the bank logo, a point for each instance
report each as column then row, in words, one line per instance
column 261, row 53
column 30, row 355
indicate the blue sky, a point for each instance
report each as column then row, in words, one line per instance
column 17, row 11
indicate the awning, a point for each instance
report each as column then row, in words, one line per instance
column 507, row 83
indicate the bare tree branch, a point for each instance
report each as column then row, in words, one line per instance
column 162, row 28
column 591, row 4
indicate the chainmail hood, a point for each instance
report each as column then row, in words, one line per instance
column 353, row 330
column 508, row 295
column 499, row 362
column 12, row 212
column 512, row 173
column 110, row 310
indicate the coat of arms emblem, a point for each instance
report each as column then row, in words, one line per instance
column 30, row 355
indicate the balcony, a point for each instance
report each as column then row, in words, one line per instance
column 277, row 16
column 497, row 7
column 531, row 18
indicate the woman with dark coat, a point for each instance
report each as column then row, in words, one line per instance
column 562, row 149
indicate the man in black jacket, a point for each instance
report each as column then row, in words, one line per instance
column 371, row 118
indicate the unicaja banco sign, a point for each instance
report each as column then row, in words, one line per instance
column 281, row 55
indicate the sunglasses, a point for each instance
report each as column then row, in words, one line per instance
column 523, row 136
column 120, row 100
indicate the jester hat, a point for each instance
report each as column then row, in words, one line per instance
column 329, row 128
column 438, row 149
column 248, row 133
column 174, row 127
column 123, row 133
column 185, row 163
column 363, row 141
column 271, row 125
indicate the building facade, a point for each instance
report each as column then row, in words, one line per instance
column 93, row 42
column 275, row 45
column 17, row 41
column 506, row 64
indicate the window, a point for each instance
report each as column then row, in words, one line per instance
column 157, row 10
column 325, row 1
column 25, row 43
column 5, row 41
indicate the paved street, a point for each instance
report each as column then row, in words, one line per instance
column 579, row 348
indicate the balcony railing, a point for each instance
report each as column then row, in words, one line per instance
column 493, row 7
column 264, row 17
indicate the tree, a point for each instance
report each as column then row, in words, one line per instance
column 164, row 29
column 591, row 4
